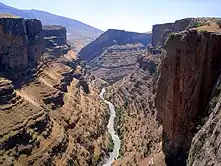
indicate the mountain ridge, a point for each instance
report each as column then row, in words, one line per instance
column 77, row 30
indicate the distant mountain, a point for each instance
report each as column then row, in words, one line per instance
column 113, row 37
column 77, row 31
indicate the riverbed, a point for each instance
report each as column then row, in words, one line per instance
column 113, row 155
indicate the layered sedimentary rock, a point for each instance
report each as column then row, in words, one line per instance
column 20, row 43
column 113, row 55
column 46, row 117
column 55, row 39
column 161, row 31
column 136, row 121
column 189, row 71
column 113, row 37
column 116, row 62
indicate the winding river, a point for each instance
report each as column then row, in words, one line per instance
column 113, row 155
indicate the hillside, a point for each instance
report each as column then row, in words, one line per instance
column 114, row 53
column 49, row 114
column 78, row 32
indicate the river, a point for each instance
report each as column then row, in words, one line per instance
column 113, row 155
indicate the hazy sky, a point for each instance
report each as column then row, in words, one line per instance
column 132, row 15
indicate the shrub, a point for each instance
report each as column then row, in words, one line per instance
column 195, row 25
column 203, row 31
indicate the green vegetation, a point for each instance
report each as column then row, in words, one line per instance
column 117, row 120
column 95, row 158
column 196, row 24
column 117, row 123
column 121, row 154
column 203, row 31
column 111, row 145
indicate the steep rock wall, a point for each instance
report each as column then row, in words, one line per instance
column 55, row 39
column 189, row 71
column 20, row 43
column 46, row 118
column 161, row 31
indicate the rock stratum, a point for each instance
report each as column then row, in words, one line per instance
column 168, row 103
column 113, row 55
column 136, row 121
column 49, row 115
column 161, row 31
column 167, row 97
column 189, row 71
column 79, row 34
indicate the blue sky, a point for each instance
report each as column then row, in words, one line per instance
column 131, row 15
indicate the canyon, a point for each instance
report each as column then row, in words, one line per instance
column 162, row 98
column 47, row 115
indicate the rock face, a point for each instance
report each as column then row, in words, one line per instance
column 113, row 37
column 20, row 43
column 161, row 31
column 113, row 55
column 189, row 71
column 79, row 34
column 136, row 121
column 116, row 61
column 46, row 118
column 55, row 38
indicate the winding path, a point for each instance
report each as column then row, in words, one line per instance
column 113, row 155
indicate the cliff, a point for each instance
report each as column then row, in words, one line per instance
column 55, row 39
column 136, row 121
column 161, row 31
column 21, row 42
column 49, row 114
column 188, row 73
column 113, row 37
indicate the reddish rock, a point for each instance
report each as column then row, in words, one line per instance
column 188, row 73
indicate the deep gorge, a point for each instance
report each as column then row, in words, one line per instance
column 162, row 99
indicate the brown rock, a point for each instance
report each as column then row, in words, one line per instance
column 188, row 73
column 161, row 31
column 19, row 42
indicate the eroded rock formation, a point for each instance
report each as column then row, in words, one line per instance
column 189, row 71
column 113, row 37
column 46, row 118
column 21, row 42
column 56, row 39
column 161, row 31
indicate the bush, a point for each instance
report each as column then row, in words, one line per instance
column 219, row 23
column 195, row 25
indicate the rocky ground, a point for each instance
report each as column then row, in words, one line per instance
column 183, row 83
column 49, row 114
column 167, row 107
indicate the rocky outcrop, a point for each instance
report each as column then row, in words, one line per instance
column 161, row 31
column 188, row 73
column 56, row 39
column 136, row 115
column 205, row 146
column 158, row 30
column 122, row 62
column 35, row 38
column 20, row 43
column 113, row 37
column 46, row 118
